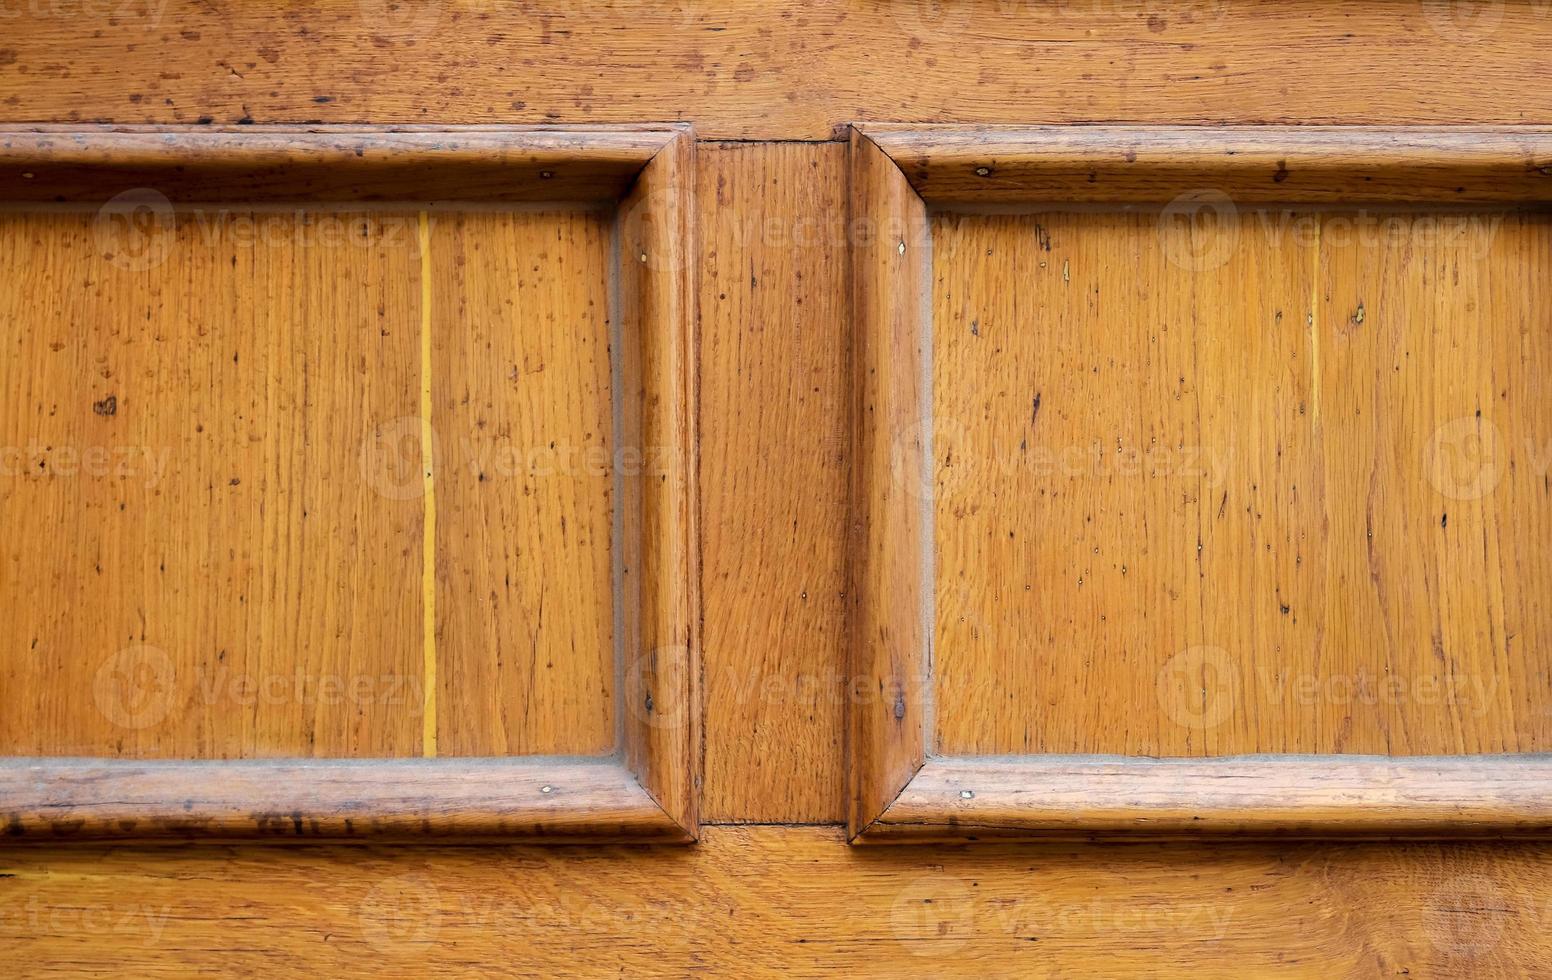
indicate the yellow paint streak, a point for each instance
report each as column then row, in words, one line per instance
column 1314, row 331
column 428, row 536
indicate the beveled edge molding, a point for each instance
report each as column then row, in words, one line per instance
column 1252, row 165
column 898, row 790
column 649, row 790
column 532, row 800
column 327, row 164
column 1289, row 797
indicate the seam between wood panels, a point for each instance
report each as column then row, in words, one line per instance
column 1314, row 330
column 617, row 571
column 929, row 516
column 428, row 734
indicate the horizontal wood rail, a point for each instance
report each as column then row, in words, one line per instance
column 335, row 164
column 901, row 790
column 434, row 800
column 1122, row 165
column 1083, row 797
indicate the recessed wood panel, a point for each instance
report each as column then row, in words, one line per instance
column 1271, row 482
column 197, row 561
column 521, row 387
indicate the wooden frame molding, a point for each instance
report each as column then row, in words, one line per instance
column 648, row 790
column 898, row 789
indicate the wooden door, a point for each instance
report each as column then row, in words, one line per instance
column 878, row 488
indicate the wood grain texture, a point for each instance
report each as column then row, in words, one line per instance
column 775, row 445
column 1097, row 797
column 657, row 421
column 525, row 483
column 1251, row 165
column 891, row 495
column 207, row 164
column 769, row 901
column 546, row 800
column 1227, row 490
column 785, row 69
column 197, row 561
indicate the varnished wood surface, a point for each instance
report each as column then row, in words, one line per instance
column 769, row 901
column 891, row 569
column 199, row 560
column 790, row 69
column 787, row 898
column 1262, row 164
column 775, row 446
column 486, row 301
column 656, row 243
column 466, row 800
column 525, row 483
column 1263, row 485
column 211, row 165
column 1327, row 797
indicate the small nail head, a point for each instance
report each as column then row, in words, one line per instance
column 966, row 794
column 546, row 789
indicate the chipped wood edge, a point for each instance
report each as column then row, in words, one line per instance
column 1250, row 165
column 899, row 792
column 532, row 800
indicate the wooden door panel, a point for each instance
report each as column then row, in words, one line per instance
column 522, row 413
column 184, row 494
column 1210, row 491
column 1141, row 483
column 749, row 234
column 475, row 400
column 776, row 449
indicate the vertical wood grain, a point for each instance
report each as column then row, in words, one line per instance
column 199, row 558
column 1187, row 502
column 890, row 532
column 773, row 499
column 657, row 255
column 522, row 435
